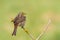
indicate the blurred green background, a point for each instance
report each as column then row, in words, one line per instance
column 38, row 12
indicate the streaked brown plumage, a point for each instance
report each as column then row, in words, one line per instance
column 19, row 20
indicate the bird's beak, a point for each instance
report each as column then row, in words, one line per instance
column 12, row 20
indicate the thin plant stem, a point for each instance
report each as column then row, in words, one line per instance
column 45, row 29
column 31, row 36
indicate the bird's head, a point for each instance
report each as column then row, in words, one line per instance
column 21, row 14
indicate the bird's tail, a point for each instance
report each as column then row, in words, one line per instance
column 14, row 32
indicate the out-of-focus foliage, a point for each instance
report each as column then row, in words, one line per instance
column 38, row 13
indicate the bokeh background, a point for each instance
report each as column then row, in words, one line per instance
column 38, row 12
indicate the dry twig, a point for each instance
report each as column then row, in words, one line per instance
column 31, row 36
column 45, row 29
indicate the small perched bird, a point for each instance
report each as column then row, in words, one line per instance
column 19, row 20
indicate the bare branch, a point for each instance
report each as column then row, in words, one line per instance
column 29, row 34
column 45, row 29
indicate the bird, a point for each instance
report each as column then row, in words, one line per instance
column 19, row 20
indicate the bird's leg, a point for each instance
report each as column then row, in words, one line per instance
column 15, row 29
column 22, row 24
